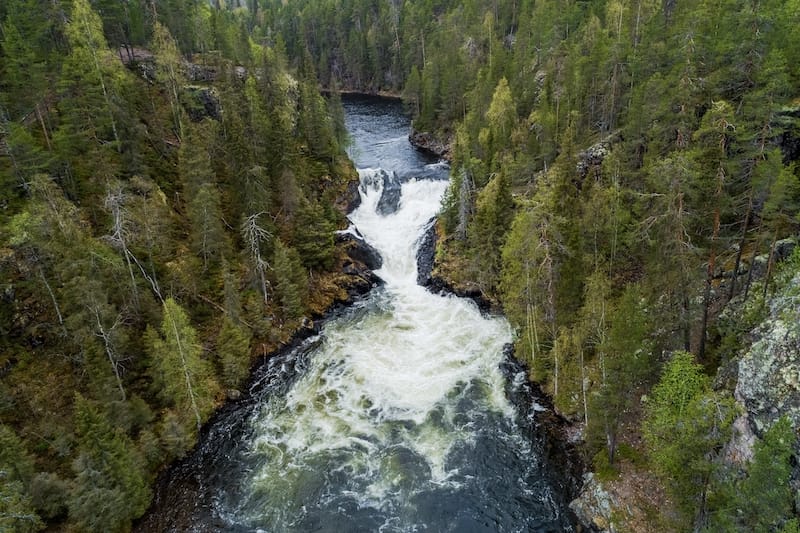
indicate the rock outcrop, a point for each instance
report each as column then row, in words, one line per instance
column 357, row 249
column 389, row 201
column 426, row 142
column 768, row 383
column 594, row 506
column 426, row 253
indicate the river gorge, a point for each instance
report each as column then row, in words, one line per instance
column 404, row 413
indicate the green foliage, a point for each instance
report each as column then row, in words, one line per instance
column 233, row 347
column 113, row 200
column 625, row 356
column 313, row 236
column 110, row 489
column 685, row 428
column 766, row 497
column 17, row 512
column 487, row 233
column 290, row 280
column 179, row 371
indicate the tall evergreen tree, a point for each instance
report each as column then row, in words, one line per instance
column 110, row 490
column 178, row 368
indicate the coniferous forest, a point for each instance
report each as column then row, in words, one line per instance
column 624, row 187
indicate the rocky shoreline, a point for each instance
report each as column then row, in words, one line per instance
column 430, row 144
column 559, row 450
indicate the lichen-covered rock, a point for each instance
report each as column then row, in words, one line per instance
column 592, row 157
column 594, row 505
column 769, row 373
column 201, row 102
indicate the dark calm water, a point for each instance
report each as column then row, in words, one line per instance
column 402, row 415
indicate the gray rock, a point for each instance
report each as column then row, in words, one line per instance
column 201, row 102
column 426, row 253
column 351, row 198
column 594, row 505
column 358, row 249
column 768, row 382
column 390, row 197
column 426, row 142
column 592, row 157
column 233, row 394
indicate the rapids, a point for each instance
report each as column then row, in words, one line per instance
column 396, row 417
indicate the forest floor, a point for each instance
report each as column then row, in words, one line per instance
column 642, row 503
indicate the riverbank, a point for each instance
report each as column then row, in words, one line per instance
column 627, row 497
column 557, row 432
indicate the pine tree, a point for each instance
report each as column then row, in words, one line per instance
column 207, row 233
column 290, row 280
column 626, row 359
column 88, row 136
column 766, row 496
column 313, row 236
column 493, row 215
column 16, row 474
column 169, row 73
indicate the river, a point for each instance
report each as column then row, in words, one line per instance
column 397, row 417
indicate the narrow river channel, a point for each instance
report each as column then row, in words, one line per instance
column 396, row 417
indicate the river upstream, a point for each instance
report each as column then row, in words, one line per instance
column 399, row 416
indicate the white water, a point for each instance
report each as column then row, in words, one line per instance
column 393, row 419
column 382, row 399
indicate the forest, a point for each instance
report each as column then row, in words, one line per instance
column 624, row 186
column 165, row 224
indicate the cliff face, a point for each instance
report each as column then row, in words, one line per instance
column 768, row 372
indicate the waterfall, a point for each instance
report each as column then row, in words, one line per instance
column 396, row 417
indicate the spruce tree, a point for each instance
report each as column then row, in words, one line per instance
column 110, row 488
column 685, row 427
column 184, row 378
column 233, row 348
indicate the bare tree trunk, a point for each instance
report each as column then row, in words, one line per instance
column 109, row 352
column 737, row 263
column 769, row 265
column 53, row 299
column 583, row 387
column 189, row 388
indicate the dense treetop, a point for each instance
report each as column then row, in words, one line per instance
column 623, row 173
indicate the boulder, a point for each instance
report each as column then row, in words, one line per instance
column 592, row 157
column 201, row 102
column 426, row 253
column 427, row 143
column 351, row 199
column 594, row 505
column 358, row 249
